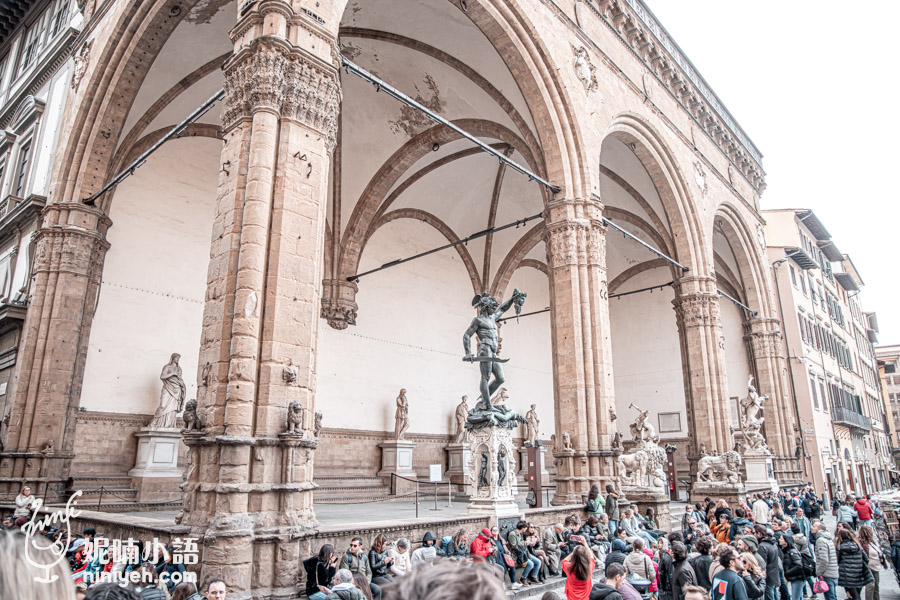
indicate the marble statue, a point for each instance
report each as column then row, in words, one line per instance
column 643, row 467
column 751, row 422
column 641, row 430
column 317, row 426
column 567, row 441
column 462, row 413
column 295, row 418
column 192, row 421
column 617, row 441
column 531, row 427
column 172, row 396
column 485, row 327
column 401, row 417
column 725, row 468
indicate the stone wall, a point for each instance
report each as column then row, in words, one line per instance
column 105, row 445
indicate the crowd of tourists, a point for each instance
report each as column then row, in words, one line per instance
column 773, row 546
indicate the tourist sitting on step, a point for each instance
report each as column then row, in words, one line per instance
column 504, row 557
column 356, row 561
column 603, row 526
column 320, row 571
column 482, row 547
column 553, row 543
column 533, row 545
column 617, row 554
column 634, row 529
column 343, row 588
column 427, row 552
column 380, row 561
column 456, row 546
column 519, row 550
column 572, row 527
column 399, row 552
column 591, row 533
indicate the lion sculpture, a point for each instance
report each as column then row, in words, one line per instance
column 724, row 468
column 295, row 418
column 192, row 421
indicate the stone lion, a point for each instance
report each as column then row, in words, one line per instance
column 192, row 421
column 295, row 418
column 633, row 467
column 724, row 468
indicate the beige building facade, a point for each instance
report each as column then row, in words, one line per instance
column 888, row 357
column 243, row 244
column 842, row 440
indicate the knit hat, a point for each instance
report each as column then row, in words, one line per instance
column 618, row 545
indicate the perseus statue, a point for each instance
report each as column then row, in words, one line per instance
column 485, row 327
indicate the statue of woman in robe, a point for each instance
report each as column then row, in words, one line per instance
column 171, row 398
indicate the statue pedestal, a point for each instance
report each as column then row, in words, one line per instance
column 760, row 471
column 492, row 476
column 397, row 457
column 156, row 475
column 648, row 497
column 459, row 455
column 730, row 492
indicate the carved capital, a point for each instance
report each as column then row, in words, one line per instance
column 596, row 243
column 339, row 303
column 562, row 241
column 698, row 309
column 271, row 75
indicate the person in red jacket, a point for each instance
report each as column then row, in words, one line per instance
column 482, row 545
column 864, row 511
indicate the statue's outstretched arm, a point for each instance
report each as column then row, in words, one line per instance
column 505, row 306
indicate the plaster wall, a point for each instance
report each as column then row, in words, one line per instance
column 737, row 361
column 154, row 279
column 647, row 353
column 409, row 335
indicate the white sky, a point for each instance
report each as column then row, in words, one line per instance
column 814, row 85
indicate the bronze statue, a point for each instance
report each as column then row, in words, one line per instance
column 485, row 327
column 482, row 475
column 495, row 415
column 501, row 466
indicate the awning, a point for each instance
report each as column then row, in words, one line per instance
column 799, row 256
column 846, row 281
column 830, row 251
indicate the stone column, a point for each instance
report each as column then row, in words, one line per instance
column 703, row 361
column 582, row 351
column 249, row 495
column 70, row 248
column 765, row 344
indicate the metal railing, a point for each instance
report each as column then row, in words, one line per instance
column 395, row 477
column 844, row 416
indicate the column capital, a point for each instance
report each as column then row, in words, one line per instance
column 339, row 302
column 269, row 74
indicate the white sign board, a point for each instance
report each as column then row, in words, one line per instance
column 434, row 473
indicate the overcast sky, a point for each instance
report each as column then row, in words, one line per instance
column 813, row 84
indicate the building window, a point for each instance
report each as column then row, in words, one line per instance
column 22, row 169
column 812, row 384
column 803, row 285
column 669, row 422
column 59, row 17
column 793, row 275
column 822, row 394
column 34, row 40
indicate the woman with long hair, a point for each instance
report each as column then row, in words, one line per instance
column 320, row 570
column 853, row 570
column 578, row 567
column 595, row 506
column 754, row 577
column 380, row 561
column 872, row 550
column 501, row 552
column 362, row 584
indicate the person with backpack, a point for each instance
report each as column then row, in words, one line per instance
column 870, row 547
column 639, row 563
column 793, row 566
column 320, row 570
column 702, row 561
column 454, row 546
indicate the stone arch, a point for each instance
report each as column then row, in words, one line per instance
column 515, row 257
column 689, row 247
column 750, row 260
column 431, row 220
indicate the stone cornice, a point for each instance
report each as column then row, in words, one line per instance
column 636, row 26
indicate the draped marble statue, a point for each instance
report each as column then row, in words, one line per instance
column 171, row 398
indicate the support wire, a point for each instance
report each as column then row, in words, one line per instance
column 140, row 160
column 400, row 261
column 385, row 87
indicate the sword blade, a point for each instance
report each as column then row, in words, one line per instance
column 481, row 359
